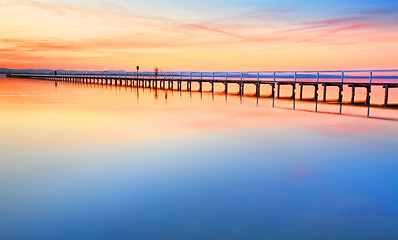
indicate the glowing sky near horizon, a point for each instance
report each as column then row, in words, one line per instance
column 199, row 35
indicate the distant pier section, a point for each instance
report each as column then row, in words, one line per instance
column 182, row 81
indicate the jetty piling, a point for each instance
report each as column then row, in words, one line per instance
column 352, row 79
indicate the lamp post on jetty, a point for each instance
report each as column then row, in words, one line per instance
column 55, row 77
column 138, row 68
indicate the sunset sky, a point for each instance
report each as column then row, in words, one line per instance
column 217, row 35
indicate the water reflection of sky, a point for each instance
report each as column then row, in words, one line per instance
column 91, row 163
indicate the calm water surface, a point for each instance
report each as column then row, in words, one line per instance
column 94, row 162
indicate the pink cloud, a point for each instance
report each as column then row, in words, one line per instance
column 351, row 27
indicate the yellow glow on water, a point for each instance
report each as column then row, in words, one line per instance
column 39, row 114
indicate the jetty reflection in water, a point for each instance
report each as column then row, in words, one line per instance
column 84, row 161
column 304, row 101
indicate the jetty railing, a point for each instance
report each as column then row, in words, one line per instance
column 351, row 78
column 299, row 76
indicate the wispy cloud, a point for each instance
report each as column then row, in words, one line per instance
column 109, row 29
column 351, row 27
column 210, row 29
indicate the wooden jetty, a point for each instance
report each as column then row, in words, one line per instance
column 174, row 81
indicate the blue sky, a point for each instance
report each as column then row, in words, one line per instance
column 199, row 34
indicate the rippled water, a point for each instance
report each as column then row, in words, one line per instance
column 94, row 162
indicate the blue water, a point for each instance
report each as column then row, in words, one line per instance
column 194, row 170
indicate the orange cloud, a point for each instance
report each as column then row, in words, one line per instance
column 61, row 34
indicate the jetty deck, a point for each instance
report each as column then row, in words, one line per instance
column 175, row 80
